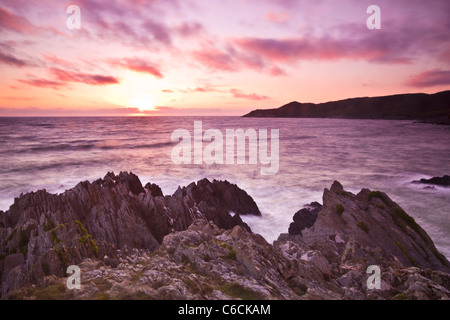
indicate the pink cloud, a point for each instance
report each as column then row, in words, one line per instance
column 13, row 22
column 91, row 79
column 277, row 17
column 430, row 79
column 139, row 65
column 233, row 60
column 11, row 60
column 215, row 59
column 53, row 59
column 253, row 96
column 43, row 83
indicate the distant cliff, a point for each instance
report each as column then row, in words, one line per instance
column 419, row 106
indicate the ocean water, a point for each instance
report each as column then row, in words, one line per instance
column 57, row 153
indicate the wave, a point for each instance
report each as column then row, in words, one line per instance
column 103, row 145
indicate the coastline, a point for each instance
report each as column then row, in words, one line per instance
column 206, row 243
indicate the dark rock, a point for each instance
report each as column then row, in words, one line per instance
column 304, row 218
column 372, row 221
column 439, row 181
column 92, row 220
column 154, row 190
column 417, row 106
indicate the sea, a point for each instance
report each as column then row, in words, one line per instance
column 387, row 155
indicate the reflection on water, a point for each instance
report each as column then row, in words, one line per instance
column 56, row 153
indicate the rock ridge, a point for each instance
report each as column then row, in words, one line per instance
column 188, row 246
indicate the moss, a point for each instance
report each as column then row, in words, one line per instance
column 53, row 292
column 60, row 252
column 238, row 291
column 100, row 296
column 400, row 296
column 23, row 242
column 11, row 235
column 340, row 209
column 380, row 206
column 405, row 252
column 86, row 238
column 299, row 288
column 45, row 269
column 54, row 237
column 48, row 225
column 363, row 226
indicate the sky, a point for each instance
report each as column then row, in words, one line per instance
column 212, row 57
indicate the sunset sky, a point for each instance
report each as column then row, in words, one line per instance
column 212, row 57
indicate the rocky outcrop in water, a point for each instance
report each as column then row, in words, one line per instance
column 439, row 181
column 371, row 219
column 304, row 218
column 42, row 233
column 327, row 259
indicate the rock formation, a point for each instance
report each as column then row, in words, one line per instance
column 419, row 106
column 187, row 246
column 439, row 181
column 42, row 233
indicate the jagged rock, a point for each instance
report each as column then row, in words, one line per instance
column 328, row 260
column 92, row 220
column 439, row 181
column 155, row 190
column 206, row 262
column 372, row 220
column 304, row 218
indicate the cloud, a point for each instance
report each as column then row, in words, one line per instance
column 239, row 94
column 430, row 79
column 91, row 79
column 43, row 83
column 12, row 60
column 53, row 59
column 188, row 29
column 213, row 58
column 138, row 65
column 11, row 21
column 279, row 17
column 159, row 31
column 233, row 60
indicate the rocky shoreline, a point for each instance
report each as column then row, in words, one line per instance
column 132, row 242
column 438, row 181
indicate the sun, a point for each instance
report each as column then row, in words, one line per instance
column 143, row 102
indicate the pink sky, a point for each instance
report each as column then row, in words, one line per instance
column 212, row 57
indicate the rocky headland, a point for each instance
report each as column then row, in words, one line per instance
column 132, row 242
column 430, row 108
column 438, row 181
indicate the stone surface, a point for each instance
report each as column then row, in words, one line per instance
column 439, row 181
column 94, row 219
column 304, row 218
column 327, row 260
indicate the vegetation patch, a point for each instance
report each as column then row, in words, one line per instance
column 53, row 292
column 86, row 238
column 48, row 225
column 23, row 242
column 11, row 235
column 363, row 226
column 238, row 291
column 299, row 288
column 400, row 296
column 340, row 209
column 45, row 269
column 54, row 237
column 60, row 252
column 405, row 252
